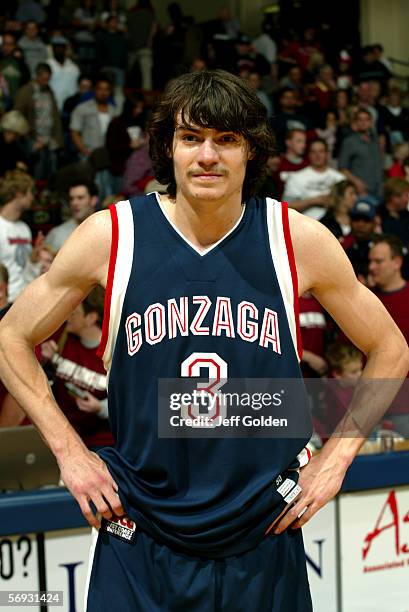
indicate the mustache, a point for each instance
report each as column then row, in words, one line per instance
column 194, row 171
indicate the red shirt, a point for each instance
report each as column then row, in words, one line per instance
column 80, row 366
column 312, row 325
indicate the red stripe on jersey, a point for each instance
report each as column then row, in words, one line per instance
column 291, row 261
column 110, row 280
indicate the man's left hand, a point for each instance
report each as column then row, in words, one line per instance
column 320, row 481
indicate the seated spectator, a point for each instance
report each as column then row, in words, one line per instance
column 83, row 198
column 360, row 156
column 79, row 381
column 328, row 131
column 394, row 212
column 64, row 73
column 308, row 190
column 358, row 242
column 126, row 137
column 345, row 367
column 324, row 88
column 112, row 51
column 13, row 145
column 292, row 159
column 12, row 64
column 16, row 252
column 83, row 93
column 288, row 118
column 370, row 68
column 400, row 153
column 342, row 199
column 255, row 82
column 385, row 265
column 90, row 120
column 294, row 81
column 89, row 125
column 37, row 103
column 247, row 57
column 395, row 118
column 34, row 49
column 344, row 78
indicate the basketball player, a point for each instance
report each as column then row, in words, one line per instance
column 201, row 281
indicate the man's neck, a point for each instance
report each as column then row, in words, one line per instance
column 394, row 284
column 319, row 168
column 293, row 157
column 392, row 210
column 11, row 211
column 102, row 106
column 203, row 222
column 91, row 334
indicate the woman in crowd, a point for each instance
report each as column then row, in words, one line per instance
column 337, row 219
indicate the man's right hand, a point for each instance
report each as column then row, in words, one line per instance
column 89, row 480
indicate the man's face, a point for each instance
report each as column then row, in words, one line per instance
column 400, row 200
column 295, row 75
column 363, row 123
column 208, row 164
column 43, row 78
column 82, row 204
column 254, row 80
column 362, row 228
column 288, row 101
column 31, row 30
column 318, row 155
column 9, row 45
column 296, row 144
column 77, row 321
column 102, row 92
column 383, row 267
column 84, row 85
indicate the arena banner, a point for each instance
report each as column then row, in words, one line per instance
column 375, row 550
column 320, row 549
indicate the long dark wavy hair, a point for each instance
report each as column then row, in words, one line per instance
column 211, row 99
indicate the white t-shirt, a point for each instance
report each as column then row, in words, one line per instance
column 58, row 235
column 104, row 119
column 15, row 251
column 309, row 183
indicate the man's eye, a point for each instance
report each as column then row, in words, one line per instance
column 228, row 139
column 189, row 138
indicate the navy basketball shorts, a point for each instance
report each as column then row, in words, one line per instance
column 145, row 576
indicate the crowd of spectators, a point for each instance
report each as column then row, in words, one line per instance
column 77, row 84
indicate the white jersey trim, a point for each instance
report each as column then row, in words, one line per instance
column 279, row 255
column 122, row 273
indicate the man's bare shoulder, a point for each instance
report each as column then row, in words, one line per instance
column 318, row 254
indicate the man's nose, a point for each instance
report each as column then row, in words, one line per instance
column 208, row 152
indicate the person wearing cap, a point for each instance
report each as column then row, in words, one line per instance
column 13, row 153
column 64, row 73
column 34, row 49
column 358, row 242
column 394, row 212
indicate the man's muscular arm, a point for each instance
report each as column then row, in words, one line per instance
column 81, row 264
column 324, row 269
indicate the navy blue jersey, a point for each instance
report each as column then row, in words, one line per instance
column 227, row 312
